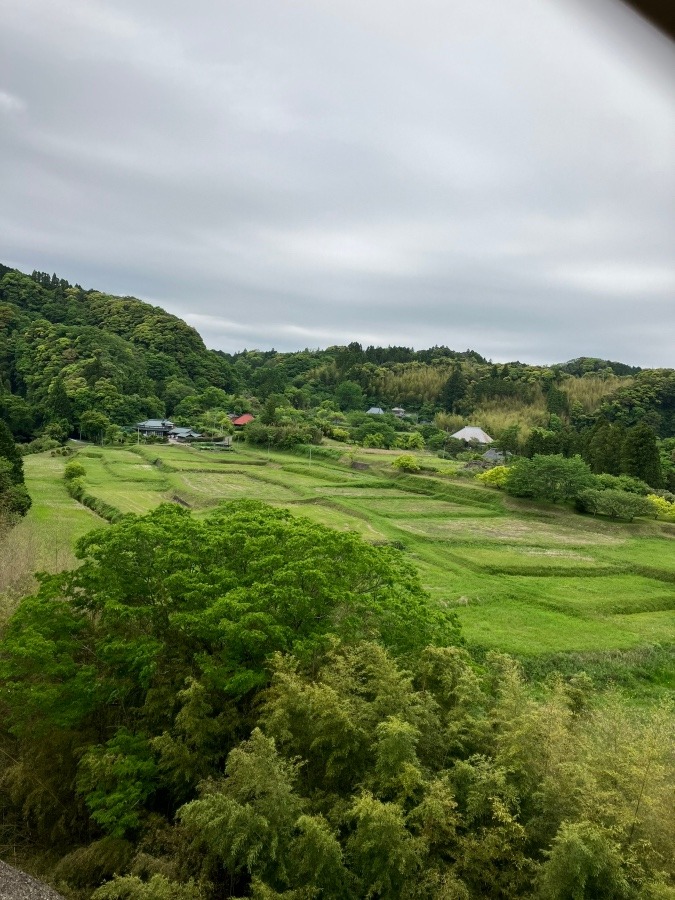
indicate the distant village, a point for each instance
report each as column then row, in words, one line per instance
column 165, row 429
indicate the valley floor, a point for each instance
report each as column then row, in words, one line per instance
column 540, row 582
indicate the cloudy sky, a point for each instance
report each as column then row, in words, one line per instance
column 292, row 173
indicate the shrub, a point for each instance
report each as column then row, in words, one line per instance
column 282, row 437
column 39, row 445
column 411, row 441
column 73, row 470
column 89, row 866
column 615, row 504
column 406, row 463
column 622, row 483
column 665, row 509
column 552, row 478
column 495, row 477
column 130, row 887
column 76, row 489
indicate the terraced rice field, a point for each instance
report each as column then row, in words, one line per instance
column 523, row 579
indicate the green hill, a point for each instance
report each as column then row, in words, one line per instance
column 65, row 351
column 69, row 355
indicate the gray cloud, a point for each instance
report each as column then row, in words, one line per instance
column 479, row 174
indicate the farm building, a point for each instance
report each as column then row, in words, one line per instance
column 472, row 433
column 183, row 434
column 165, row 429
column 240, row 421
column 495, row 456
column 155, row 427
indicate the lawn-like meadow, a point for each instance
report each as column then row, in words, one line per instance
column 535, row 581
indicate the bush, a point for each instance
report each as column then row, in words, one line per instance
column 282, row 437
column 494, row 477
column 554, row 478
column 622, row 483
column 39, row 445
column 15, row 500
column 665, row 509
column 375, row 440
column 130, row 887
column 615, row 504
column 89, row 866
column 407, row 463
column 74, row 469
column 411, row 441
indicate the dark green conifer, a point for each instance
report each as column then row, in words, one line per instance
column 640, row 455
column 454, row 390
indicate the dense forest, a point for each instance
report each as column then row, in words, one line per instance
column 256, row 705
column 66, row 353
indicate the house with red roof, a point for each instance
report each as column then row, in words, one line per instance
column 240, row 421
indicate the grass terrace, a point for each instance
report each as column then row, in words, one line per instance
column 534, row 581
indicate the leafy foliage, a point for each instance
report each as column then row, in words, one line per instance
column 168, row 619
column 615, row 504
column 497, row 476
column 14, row 498
column 552, row 478
column 406, row 463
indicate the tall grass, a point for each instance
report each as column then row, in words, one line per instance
column 494, row 416
column 591, row 390
column 31, row 546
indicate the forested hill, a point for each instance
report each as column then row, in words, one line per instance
column 65, row 351
column 80, row 359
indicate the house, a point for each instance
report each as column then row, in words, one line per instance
column 398, row 411
column 470, row 433
column 183, row 434
column 154, row 427
column 375, row 411
column 495, row 456
column 240, row 421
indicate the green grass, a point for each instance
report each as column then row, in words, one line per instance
column 530, row 580
column 43, row 541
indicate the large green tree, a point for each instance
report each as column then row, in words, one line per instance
column 454, row 390
column 156, row 643
column 554, row 478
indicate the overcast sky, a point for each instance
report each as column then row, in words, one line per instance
column 299, row 173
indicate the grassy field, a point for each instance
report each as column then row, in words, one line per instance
column 43, row 541
column 530, row 580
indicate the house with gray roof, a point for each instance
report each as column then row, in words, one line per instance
column 178, row 433
column 375, row 411
column 495, row 456
column 156, row 427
